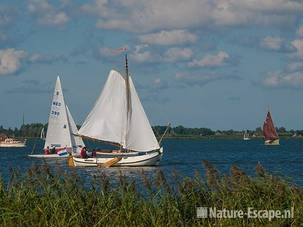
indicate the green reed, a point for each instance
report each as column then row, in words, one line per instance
column 50, row 196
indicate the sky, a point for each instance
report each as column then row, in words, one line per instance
column 199, row 63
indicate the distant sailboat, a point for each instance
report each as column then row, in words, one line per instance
column 246, row 136
column 14, row 143
column 61, row 128
column 269, row 131
column 42, row 134
column 118, row 118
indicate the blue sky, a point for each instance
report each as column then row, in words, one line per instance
column 198, row 63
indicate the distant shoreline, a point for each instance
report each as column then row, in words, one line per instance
column 194, row 137
column 178, row 132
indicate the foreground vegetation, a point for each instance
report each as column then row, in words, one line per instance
column 47, row 196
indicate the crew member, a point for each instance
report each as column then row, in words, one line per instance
column 46, row 150
column 83, row 153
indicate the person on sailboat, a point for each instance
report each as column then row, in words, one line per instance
column 46, row 150
column 83, row 153
column 94, row 153
column 53, row 150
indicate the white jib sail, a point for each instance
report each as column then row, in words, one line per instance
column 58, row 132
column 140, row 136
column 108, row 119
column 76, row 140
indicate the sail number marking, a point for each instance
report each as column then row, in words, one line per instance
column 56, row 103
column 55, row 113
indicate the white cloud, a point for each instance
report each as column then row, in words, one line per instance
column 298, row 46
column 46, row 13
column 56, row 18
column 152, row 15
column 99, row 7
column 140, row 54
column 112, row 52
column 294, row 67
column 272, row 43
column 276, row 80
column 209, row 60
column 261, row 12
column 7, row 15
column 198, row 78
column 170, row 37
column 143, row 53
column 300, row 32
column 292, row 74
column 143, row 16
column 45, row 58
column 177, row 54
column 10, row 60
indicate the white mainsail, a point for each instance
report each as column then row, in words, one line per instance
column 58, row 131
column 76, row 140
column 111, row 120
column 106, row 120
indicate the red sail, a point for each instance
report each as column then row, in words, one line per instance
column 269, row 130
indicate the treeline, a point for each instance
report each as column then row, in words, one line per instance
column 26, row 130
column 34, row 130
column 182, row 131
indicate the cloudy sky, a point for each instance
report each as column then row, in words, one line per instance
column 199, row 63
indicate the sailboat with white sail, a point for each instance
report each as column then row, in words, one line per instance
column 246, row 136
column 61, row 129
column 42, row 134
column 270, row 134
column 118, row 118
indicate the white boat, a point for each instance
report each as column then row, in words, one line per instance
column 61, row 129
column 246, row 136
column 118, row 118
column 10, row 142
column 127, row 159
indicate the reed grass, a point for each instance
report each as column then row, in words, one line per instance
column 50, row 196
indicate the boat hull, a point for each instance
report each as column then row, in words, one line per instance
column 69, row 150
column 272, row 142
column 48, row 156
column 127, row 159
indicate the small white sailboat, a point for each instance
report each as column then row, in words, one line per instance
column 42, row 134
column 61, row 129
column 118, row 118
column 246, row 136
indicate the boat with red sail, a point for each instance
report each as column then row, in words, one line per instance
column 270, row 134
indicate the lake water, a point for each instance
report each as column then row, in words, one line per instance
column 185, row 156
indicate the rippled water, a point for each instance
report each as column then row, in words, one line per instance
column 185, row 155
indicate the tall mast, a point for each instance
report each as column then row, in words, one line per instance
column 128, row 98
column 126, row 66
